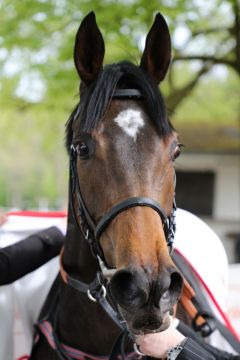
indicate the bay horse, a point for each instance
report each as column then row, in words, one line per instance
column 122, row 149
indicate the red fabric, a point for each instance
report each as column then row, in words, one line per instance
column 53, row 214
column 45, row 214
column 25, row 357
column 221, row 312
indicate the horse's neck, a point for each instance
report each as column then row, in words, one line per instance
column 78, row 258
column 82, row 323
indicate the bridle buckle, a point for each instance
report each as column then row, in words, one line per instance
column 86, row 234
column 101, row 293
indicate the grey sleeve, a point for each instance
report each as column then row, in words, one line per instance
column 192, row 351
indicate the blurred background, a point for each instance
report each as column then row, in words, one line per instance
column 39, row 88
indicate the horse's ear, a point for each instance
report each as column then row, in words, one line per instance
column 157, row 53
column 89, row 49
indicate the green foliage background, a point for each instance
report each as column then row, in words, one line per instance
column 36, row 42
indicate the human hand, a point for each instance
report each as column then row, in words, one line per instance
column 158, row 344
column 3, row 218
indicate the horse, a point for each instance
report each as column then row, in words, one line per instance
column 122, row 147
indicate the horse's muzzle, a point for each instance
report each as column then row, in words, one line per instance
column 145, row 302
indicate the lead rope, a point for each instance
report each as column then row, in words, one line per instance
column 119, row 347
column 186, row 300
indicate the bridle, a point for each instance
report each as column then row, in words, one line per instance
column 96, row 290
column 88, row 227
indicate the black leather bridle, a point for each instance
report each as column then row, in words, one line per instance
column 91, row 231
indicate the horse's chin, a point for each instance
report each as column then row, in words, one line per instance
column 145, row 329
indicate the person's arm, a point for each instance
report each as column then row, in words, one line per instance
column 158, row 345
column 27, row 255
column 3, row 217
column 193, row 351
column 194, row 338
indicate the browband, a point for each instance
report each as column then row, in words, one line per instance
column 126, row 94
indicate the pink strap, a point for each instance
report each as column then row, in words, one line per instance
column 47, row 330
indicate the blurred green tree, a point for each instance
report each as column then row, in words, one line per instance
column 39, row 86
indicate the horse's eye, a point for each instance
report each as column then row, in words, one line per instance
column 177, row 152
column 82, row 150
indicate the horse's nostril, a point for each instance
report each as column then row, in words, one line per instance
column 176, row 285
column 131, row 289
column 127, row 288
column 168, row 288
column 123, row 281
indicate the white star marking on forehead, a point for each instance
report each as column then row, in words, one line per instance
column 130, row 121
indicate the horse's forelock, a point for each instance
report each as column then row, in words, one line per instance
column 95, row 99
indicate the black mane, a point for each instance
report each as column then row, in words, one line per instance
column 96, row 97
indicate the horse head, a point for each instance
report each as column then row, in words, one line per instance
column 126, row 147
